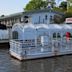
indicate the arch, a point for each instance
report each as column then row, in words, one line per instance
column 29, row 26
column 42, row 30
column 16, row 26
column 42, row 34
column 17, row 31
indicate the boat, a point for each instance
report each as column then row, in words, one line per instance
column 31, row 41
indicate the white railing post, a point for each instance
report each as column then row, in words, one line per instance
column 61, row 41
column 52, row 45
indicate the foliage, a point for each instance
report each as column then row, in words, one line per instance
column 53, row 3
column 38, row 4
column 69, row 9
column 69, row 6
column 58, row 19
column 58, row 9
column 63, row 5
column 35, row 5
column 68, row 14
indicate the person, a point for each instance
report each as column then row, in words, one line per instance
column 67, row 36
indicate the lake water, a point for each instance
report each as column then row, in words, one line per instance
column 55, row 64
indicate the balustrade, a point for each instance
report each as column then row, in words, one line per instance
column 19, row 46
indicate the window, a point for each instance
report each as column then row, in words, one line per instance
column 51, row 19
column 58, row 35
column 15, row 35
column 46, row 17
column 70, row 35
column 54, row 35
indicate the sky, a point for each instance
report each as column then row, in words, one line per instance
column 59, row 1
column 14, row 6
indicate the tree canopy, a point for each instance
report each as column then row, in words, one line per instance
column 38, row 4
column 35, row 5
column 69, row 6
column 59, row 19
column 63, row 5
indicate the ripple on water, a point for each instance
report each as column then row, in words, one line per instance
column 55, row 64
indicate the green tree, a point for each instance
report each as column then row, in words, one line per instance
column 69, row 5
column 63, row 5
column 59, row 19
column 68, row 14
column 58, row 9
column 35, row 5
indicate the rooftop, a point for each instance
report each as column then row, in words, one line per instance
column 30, row 13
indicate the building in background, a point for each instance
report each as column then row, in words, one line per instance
column 10, row 19
column 36, row 17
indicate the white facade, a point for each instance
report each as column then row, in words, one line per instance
column 31, row 31
column 43, row 18
column 35, row 17
column 35, row 41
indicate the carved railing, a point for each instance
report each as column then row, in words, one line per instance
column 19, row 46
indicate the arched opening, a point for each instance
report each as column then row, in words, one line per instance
column 15, row 35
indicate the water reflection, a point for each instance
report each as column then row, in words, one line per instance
column 55, row 64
